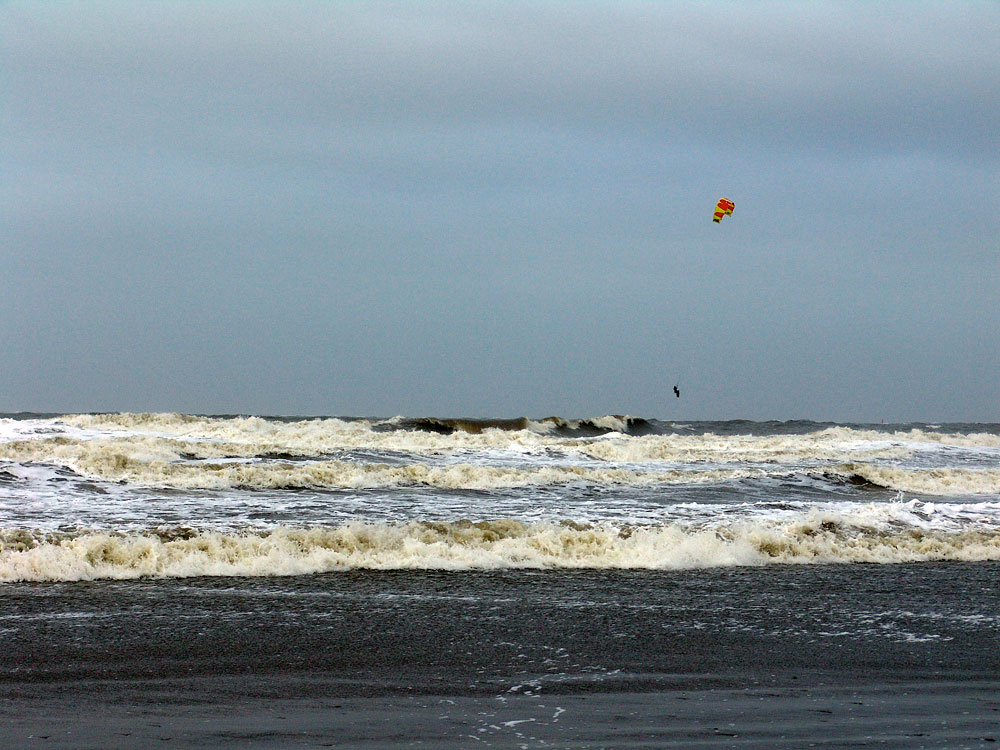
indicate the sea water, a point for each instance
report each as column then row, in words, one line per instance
column 133, row 496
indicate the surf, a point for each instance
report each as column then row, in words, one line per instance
column 812, row 538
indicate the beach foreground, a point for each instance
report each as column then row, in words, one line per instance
column 785, row 656
column 916, row 714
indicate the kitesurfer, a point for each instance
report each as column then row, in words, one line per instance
column 677, row 392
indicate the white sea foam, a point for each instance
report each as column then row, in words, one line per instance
column 811, row 538
column 916, row 436
column 88, row 443
column 155, row 463
column 816, row 447
column 256, row 436
column 199, row 461
column 657, row 500
column 943, row 481
column 187, row 425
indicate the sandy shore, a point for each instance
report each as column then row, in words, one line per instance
column 914, row 714
column 836, row 656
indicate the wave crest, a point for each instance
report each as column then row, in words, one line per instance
column 466, row 545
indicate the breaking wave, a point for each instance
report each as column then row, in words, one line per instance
column 983, row 434
column 548, row 425
column 183, row 451
column 185, row 423
column 465, row 545
column 390, row 493
column 169, row 463
column 942, row 481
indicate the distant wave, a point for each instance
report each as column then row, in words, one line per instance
column 814, row 538
column 547, row 425
column 115, row 465
column 252, row 454
column 112, row 464
column 971, row 435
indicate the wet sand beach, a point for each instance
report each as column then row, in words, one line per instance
column 916, row 714
column 789, row 656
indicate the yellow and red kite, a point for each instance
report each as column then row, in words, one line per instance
column 723, row 208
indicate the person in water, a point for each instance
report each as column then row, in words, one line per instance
column 677, row 392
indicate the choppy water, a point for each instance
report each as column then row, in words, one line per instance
column 171, row 495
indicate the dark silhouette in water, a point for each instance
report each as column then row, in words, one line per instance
column 677, row 392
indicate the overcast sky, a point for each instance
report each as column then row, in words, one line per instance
column 502, row 208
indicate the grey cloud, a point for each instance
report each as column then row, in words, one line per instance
column 844, row 74
column 392, row 198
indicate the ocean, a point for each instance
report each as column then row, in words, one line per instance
column 603, row 582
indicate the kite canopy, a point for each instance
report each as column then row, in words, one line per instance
column 723, row 208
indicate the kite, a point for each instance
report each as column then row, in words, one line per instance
column 723, row 208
